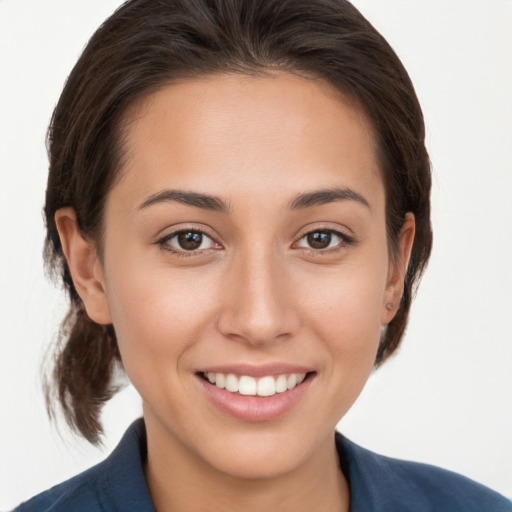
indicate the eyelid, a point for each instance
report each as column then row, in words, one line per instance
column 163, row 239
column 346, row 239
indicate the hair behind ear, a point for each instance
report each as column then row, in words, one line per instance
column 83, row 373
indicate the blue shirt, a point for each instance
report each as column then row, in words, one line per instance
column 377, row 484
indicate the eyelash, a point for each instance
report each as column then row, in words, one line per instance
column 163, row 242
column 346, row 240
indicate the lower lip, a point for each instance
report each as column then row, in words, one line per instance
column 255, row 408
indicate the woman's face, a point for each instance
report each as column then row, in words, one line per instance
column 245, row 243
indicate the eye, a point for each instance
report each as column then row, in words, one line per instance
column 187, row 240
column 323, row 239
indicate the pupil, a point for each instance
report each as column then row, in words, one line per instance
column 190, row 240
column 319, row 239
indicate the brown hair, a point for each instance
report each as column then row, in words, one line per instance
column 146, row 44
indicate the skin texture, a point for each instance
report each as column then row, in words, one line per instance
column 254, row 293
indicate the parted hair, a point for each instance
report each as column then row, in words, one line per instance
column 147, row 44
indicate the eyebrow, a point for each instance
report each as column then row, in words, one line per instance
column 325, row 196
column 204, row 201
column 213, row 203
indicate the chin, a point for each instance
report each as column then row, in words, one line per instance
column 265, row 454
column 260, row 462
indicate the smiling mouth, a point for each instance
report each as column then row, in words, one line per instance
column 250, row 386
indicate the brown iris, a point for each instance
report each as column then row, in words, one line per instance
column 319, row 239
column 190, row 240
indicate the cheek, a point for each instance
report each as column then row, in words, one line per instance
column 349, row 300
column 345, row 310
column 158, row 316
column 350, row 326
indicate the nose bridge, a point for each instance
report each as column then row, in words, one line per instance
column 257, row 306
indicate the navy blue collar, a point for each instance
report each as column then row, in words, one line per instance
column 126, row 464
column 377, row 483
column 123, row 485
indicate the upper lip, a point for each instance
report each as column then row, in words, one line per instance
column 252, row 370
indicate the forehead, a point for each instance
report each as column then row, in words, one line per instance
column 244, row 133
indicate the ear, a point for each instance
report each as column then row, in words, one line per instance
column 398, row 270
column 84, row 266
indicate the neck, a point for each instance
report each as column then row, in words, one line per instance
column 179, row 480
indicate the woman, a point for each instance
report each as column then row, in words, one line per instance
column 238, row 204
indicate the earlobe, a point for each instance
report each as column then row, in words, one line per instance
column 84, row 265
column 398, row 270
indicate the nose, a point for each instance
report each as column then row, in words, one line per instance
column 257, row 303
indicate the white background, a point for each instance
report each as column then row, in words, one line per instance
column 447, row 397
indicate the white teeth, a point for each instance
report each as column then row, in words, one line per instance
column 220, row 380
column 281, row 386
column 291, row 381
column 266, row 386
column 247, row 385
column 232, row 383
column 250, row 386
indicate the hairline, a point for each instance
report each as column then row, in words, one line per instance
column 132, row 111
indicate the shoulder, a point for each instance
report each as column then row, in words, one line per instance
column 79, row 493
column 116, row 484
column 387, row 484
